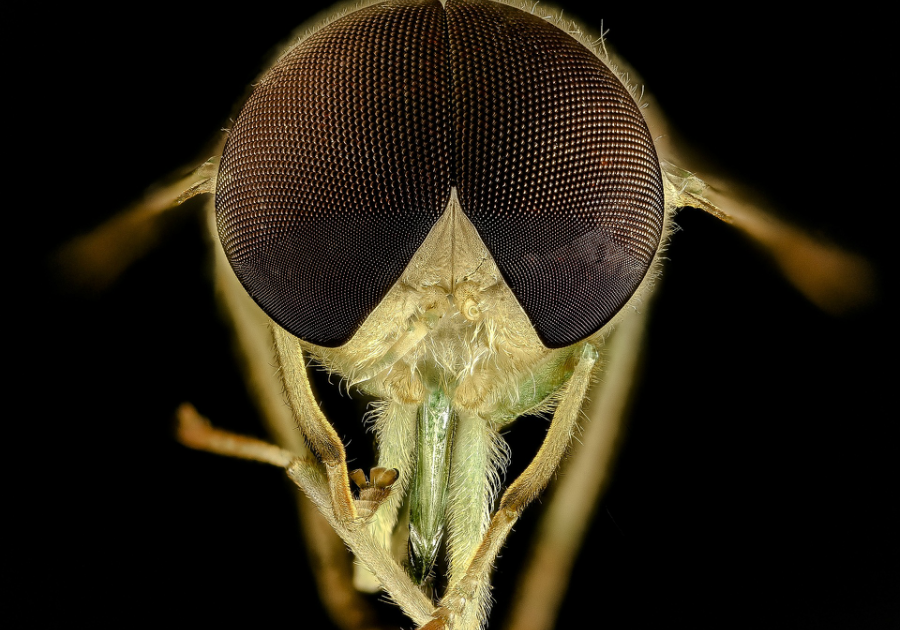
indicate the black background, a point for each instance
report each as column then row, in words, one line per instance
column 758, row 483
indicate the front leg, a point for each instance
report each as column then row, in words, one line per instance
column 319, row 434
column 196, row 432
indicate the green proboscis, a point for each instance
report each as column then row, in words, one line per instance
column 428, row 498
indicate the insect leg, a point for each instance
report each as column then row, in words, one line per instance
column 319, row 434
column 835, row 280
column 585, row 475
column 95, row 260
column 334, row 566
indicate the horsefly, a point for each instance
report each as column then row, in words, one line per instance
column 457, row 211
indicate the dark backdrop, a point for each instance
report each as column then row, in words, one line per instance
column 758, row 483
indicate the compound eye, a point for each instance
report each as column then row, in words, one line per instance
column 557, row 169
column 344, row 157
column 337, row 167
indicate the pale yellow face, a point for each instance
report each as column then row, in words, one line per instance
column 457, row 325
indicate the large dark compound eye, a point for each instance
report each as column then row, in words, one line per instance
column 344, row 156
column 337, row 167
